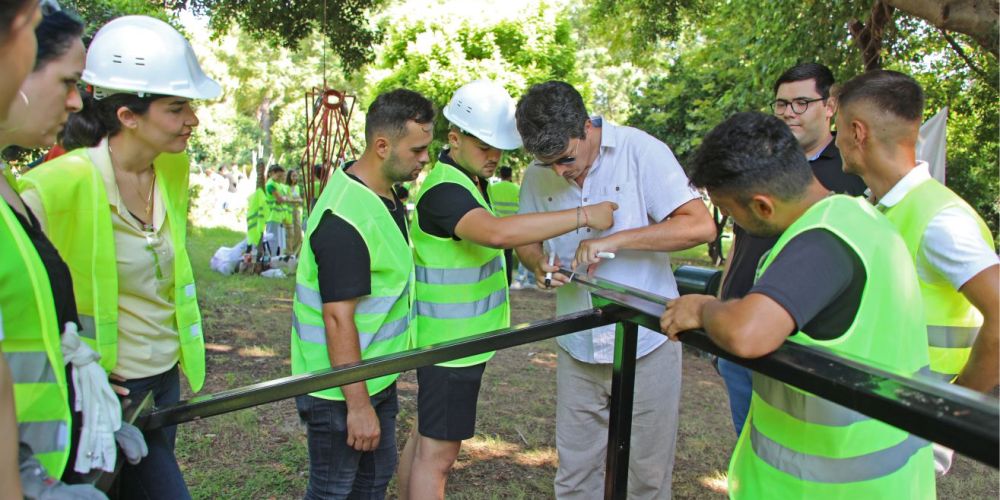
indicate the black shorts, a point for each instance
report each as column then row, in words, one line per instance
column 446, row 401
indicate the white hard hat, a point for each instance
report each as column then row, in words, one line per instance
column 484, row 109
column 142, row 55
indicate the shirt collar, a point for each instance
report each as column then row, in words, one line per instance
column 101, row 156
column 827, row 152
column 912, row 179
column 609, row 135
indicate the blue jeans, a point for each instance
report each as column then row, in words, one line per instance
column 739, row 384
column 337, row 470
column 157, row 475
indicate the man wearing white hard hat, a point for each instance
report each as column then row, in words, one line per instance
column 116, row 209
column 461, row 287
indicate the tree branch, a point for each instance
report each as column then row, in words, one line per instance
column 961, row 53
column 976, row 18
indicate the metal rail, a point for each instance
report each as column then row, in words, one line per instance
column 956, row 417
column 961, row 419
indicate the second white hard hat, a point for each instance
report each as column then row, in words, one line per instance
column 483, row 108
column 142, row 55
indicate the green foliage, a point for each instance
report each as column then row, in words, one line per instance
column 437, row 55
column 287, row 24
column 97, row 13
column 731, row 62
column 635, row 27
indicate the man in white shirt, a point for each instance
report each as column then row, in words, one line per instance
column 583, row 160
column 878, row 121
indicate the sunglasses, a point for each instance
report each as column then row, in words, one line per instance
column 565, row 160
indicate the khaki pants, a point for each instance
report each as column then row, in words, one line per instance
column 293, row 233
column 582, row 412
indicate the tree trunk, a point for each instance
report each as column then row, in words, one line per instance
column 264, row 117
column 976, row 18
column 869, row 37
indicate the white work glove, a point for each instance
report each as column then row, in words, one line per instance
column 102, row 412
column 37, row 485
column 132, row 443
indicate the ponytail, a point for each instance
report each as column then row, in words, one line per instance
column 99, row 118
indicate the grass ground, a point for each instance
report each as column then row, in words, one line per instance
column 261, row 452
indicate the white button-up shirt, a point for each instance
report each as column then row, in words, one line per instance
column 952, row 249
column 641, row 175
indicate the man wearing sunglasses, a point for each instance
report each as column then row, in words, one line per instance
column 802, row 101
column 583, row 159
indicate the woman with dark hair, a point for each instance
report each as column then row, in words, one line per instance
column 17, row 51
column 126, row 243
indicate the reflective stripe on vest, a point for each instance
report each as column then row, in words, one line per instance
column 952, row 336
column 822, row 469
column 88, row 328
column 316, row 334
column 44, row 437
column 30, row 367
column 460, row 310
column 460, row 276
column 802, row 406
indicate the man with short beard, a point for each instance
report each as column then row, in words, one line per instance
column 354, row 297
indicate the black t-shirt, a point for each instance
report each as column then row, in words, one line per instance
column 828, row 167
column 818, row 279
column 442, row 206
column 747, row 249
column 60, row 279
column 342, row 258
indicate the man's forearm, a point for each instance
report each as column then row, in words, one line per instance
column 529, row 254
column 672, row 234
column 982, row 371
column 9, row 469
column 343, row 347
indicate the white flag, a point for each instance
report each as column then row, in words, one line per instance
column 931, row 143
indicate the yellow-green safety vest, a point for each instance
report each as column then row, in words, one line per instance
column 797, row 445
column 461, row 286
column 257, row 214
column 952, row 321
column 505, row 197
column 286, row 208
column 31, row 346
column 275, row 210
column 76, row 206
column 384, row 318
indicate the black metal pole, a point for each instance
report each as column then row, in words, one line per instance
column 620, row 421
column 288, row 387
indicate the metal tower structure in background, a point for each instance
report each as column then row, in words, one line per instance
column 328, row 138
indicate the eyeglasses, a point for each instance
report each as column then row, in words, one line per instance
column 565, row 160
column 799, row 105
